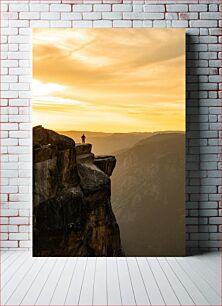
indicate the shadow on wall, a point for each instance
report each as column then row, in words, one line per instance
column 193, row 142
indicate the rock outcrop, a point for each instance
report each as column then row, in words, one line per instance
column 105, row 163
column 72, row 212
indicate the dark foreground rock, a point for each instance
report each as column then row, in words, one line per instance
column 72, row 212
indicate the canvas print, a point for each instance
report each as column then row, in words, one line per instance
column 108, row 142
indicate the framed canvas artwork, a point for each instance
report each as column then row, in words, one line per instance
column 108, row 142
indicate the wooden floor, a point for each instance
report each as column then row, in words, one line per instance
column 110, row 281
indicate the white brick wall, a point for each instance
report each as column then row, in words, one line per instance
column 201, row 18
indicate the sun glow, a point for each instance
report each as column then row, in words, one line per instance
column 40, row 89
column 103, row 80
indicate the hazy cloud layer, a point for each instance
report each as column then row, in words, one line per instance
column 109, row 79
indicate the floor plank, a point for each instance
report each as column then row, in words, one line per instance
column 86, row 294
column 22, row 288
column 10, row 261
column 213, row 279
column 141, row 295
column 187, row 282
column 17, row 279
column 100, row 283
column 75, row 286
column 152, row 287
column 37, row 285
column 12, row 270
column 5, row 255
column 210, row 294
column 113, row 285
column 180, row 291
column 47, row 291
column 164, row 285
column 212, row 261
column 61, row 290
column 126, row 289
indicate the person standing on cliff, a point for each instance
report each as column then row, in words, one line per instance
column 83, row 137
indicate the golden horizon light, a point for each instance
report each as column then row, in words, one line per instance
column 109, row 80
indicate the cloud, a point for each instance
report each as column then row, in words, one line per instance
column 107, row 68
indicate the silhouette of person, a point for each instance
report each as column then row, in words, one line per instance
column 83, row 137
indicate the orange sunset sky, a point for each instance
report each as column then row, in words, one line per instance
column 109, row 80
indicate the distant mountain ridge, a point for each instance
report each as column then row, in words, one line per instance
column 148, row 195
column 109, row 143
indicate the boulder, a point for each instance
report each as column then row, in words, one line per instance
column 83, row 148
column 42, row 136
column 85, row 158
column 105, row 163
column 92, row 179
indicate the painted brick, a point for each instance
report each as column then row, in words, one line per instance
column 60, row 8
column 4, row 7
column 139, row 23
column 9, row 126
column 52, row 16
column 213, row 15
column 39, row 24
column 18, row 23
column 134, row 15
column 8, row 244
column 213, row 7
column 208, row 212
column 137, row 7
column 18, row 236
column 209, row 228
column 102, row 7
column 70, row 16
column 215, row 63
column 208, row 205
column 154, row 8
column 19, row 220
column 122, row 7
column 18, row 7
column 203, row 23
column 216, row 31
column 171, row 16
column 92, row 15
column 8, row 228
column 187, row 16
column 9, row 142
column 82, row 24
column 39, row 7
column 147, row 23
column 215, row 220
column 177, row 8
column 197, row 7
column 9, row 212
column 29, row 15
column 208, row 39
column 102, row 24
column 122, row 23
column 24, row 244
column 82, row 8
column 112, row 15
column 60, row 24
column 200, row 236
column 24, row 229
column 179, row 23
column 9, row 63
column 215, row 236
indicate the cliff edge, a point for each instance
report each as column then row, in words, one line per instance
column 72, row 212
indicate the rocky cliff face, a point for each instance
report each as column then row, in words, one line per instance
column 72, row 212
